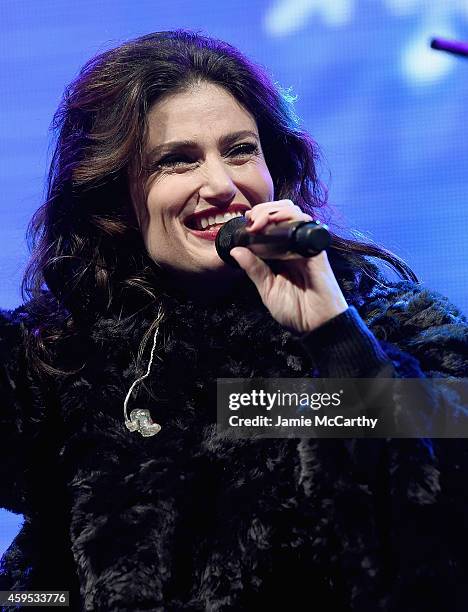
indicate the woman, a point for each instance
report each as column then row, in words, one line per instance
column 156, row 138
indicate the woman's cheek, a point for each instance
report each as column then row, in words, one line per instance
column 173, row 195
column 263, row 181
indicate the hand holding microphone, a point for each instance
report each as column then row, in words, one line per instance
column 302, row 293
column 290, row 240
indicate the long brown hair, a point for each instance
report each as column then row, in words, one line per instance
column 88, row 257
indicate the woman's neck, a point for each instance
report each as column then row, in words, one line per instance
column 209, row 288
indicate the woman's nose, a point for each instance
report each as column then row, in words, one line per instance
column 218, row 184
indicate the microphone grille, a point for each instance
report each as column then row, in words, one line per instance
column 225, row 239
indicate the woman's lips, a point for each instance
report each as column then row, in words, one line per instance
column 207, row 234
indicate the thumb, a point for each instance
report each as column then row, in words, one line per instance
column 255, row 268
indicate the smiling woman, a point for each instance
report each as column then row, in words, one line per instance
column 159, row 142
column 205, row 160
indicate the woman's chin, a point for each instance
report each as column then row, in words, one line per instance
column 212, row 264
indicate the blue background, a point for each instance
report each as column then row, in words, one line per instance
column 388, row 112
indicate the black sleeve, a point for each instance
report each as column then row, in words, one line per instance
column 345, row 347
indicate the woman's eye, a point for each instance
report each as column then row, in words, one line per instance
column 246, row 148
column 179, row 161
column 171, row 161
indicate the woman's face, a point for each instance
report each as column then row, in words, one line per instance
column 204, row 165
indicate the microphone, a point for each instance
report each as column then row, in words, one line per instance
column 290, row 240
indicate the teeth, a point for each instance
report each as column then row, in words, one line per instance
column 205, row 222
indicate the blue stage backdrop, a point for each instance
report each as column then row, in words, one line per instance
column 388, row 112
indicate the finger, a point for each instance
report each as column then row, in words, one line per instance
column 255, row 268
column 288, row 215
column 266, row 208
column 277, row 216
column 268, row 205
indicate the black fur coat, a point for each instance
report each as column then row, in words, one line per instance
column 187, row 520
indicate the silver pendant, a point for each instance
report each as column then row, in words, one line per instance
column 140, row 420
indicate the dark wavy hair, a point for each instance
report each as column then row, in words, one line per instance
column 88, row 258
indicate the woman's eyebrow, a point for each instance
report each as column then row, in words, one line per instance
column 175, row 145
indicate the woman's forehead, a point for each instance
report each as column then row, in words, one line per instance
column 202, row 109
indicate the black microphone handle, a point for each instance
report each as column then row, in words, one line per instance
column 282, row 241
